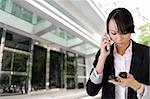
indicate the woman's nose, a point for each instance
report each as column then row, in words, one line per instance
column 119, row 37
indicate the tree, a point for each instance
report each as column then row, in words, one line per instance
column 144, row 38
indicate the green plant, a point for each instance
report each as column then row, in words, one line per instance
column 144, row 38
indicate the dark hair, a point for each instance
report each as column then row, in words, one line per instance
column 123, row 19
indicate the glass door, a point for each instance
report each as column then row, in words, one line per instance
column 39, row 68
column 14, row 67
column 56, row 69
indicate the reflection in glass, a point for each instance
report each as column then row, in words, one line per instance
column 20, row 62
column 70, row 70
column 22, row 13
column 71, row 57
column 17, row 41
column 56, row 69
column 2, row 4
column 12, row 84
column 17, row 80
column 81, row 60
column 6, row 61
column 4, row 80
column 39, row 67
column 70, row 83
column 81, row 71
column 81, row 82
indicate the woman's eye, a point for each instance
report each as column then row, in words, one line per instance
column 113, row 33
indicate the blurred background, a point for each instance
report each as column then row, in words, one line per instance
column 48, row 46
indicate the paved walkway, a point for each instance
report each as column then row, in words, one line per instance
column 54, row 94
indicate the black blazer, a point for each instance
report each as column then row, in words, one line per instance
column 139, row 69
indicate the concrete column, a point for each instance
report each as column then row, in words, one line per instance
column 47, row 68
column 2, row 46
column 30, row 65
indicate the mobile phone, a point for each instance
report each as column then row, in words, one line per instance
column 123, row 74
column 107, row 48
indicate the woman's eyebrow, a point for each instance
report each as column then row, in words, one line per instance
column 112, row 30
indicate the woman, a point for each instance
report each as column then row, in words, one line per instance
column 124, row 55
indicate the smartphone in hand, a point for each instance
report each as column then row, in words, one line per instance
column 123, row 74
column 107, row 48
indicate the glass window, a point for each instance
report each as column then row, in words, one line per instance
column 6, row 61
column 20, row 62
column 16, row 10
column 56, row 69
column 39, row 67
column 17, row 80
column 81, row 71
column 70, row 83
column 39, row 19
column 27, row 15
column 81, row 60
column 17, row 41
column 2, row 4
column 71, row 57
column 22, row 13
column 4, row 80
column 70, row 69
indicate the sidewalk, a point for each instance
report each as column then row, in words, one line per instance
column 55, row 94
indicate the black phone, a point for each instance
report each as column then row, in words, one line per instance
column 123, row 74
column 107, row 48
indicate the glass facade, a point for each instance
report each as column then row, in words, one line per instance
column 17, row 41
column 4, row 82
column 14, row 61
column 2, row 4
column 20, row 62
column 56, row 69
column 14, row 66
column 70, row 70
column 22, row 13
column 64, row 67
column 7, row 61
column 81, row 71
column 39, row 67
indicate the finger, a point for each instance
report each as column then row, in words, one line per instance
column 107, row 35
column 105, row 39
column 120, row 79
column 106, row 42
column 129, row 75
column 113, row 82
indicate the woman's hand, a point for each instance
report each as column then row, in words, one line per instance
column 106, row 41
column 127, row 82
column 103, row 55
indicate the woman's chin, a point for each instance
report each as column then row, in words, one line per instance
column 119, row 44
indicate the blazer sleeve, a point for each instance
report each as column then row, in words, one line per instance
column 91, row 88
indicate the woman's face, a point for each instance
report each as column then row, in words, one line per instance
column 121, row 40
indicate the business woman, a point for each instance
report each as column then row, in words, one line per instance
column 124, row 55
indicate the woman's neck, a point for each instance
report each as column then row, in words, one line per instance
column 121, row 50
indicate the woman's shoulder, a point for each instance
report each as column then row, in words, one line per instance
column 141, row 46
